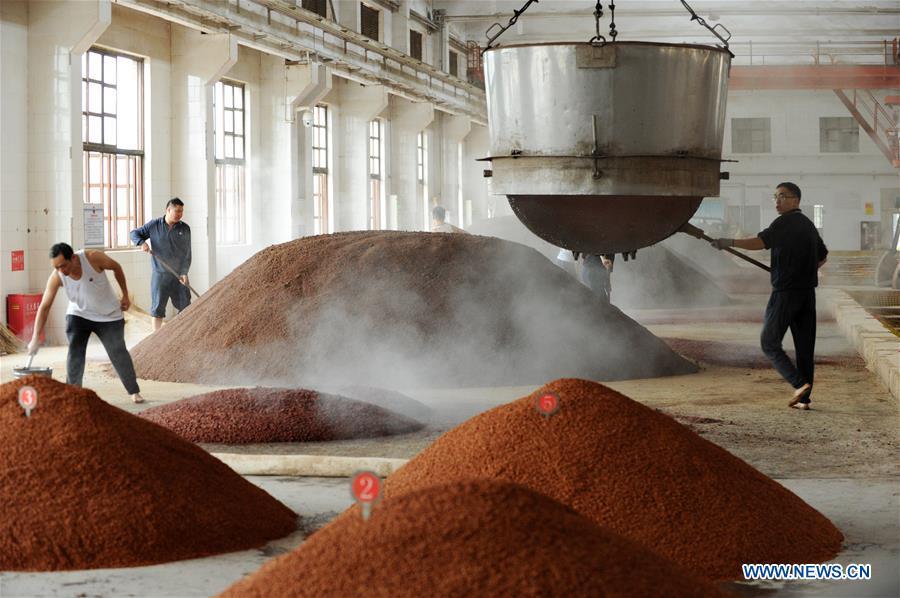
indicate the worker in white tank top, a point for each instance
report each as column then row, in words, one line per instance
column 93, row 309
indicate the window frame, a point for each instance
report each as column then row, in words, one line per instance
column 230, row 209
column 748, row 125
column 824, row 130
column 321, row 172
column 376, row 173
column 369, row 11
column 110, row 154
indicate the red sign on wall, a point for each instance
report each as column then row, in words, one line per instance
column 18, row 260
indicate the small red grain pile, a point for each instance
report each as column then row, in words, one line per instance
column 86, row 485
column 472, row 538
column 257, row 415
column 636, row 471
column 400, row 310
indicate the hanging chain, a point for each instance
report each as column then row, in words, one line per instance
column 598, row 14
column 512, row 21
column 612, row 21
column 699, row 19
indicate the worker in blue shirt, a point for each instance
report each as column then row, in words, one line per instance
column 797, row 253
column 169, row 239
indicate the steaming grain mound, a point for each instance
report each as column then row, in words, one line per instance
column 258, row 415
column 659, row 278
column 386, row 399
column 400, row 309
column 636, row 471
column 86, row 485
column 476, row 537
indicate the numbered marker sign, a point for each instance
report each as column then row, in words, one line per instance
column 27, row 399
column 547, row 404
column 365, row 488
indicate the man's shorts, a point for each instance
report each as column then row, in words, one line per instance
column 165, row 286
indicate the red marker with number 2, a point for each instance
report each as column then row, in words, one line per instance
column 365, row 488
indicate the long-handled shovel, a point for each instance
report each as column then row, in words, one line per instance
column 173, row 272
column 696, row 232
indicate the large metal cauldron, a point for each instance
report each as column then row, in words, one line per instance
column 605, row 149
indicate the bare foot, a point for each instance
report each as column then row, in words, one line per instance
column 800, row 394
column 137, row 398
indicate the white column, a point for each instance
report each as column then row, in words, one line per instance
column 407, row 120
column 357, row 106
column 198, row 61
column 306, row 85
column 455, row 129
column 58, row 33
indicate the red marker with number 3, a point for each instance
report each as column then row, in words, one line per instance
column 547, row 404
column 27, row 399
column 365, row 486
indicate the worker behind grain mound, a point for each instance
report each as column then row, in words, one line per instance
column 797, row 253
column 93, row 308
column 438, row 215
column 168, row 239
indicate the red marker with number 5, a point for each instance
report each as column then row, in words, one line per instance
column 365, row 487
column 547, row 404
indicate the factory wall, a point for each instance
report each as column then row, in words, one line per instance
column 41, row 203
column 843, row 183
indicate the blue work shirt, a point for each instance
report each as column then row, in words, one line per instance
column 172, row 245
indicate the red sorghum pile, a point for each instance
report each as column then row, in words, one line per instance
column 258, row 415
column 636, row 471
column 398, row 310
column 86, row 485
column 472, row 538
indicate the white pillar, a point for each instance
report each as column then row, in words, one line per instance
column 476, row 188
column 58, row 34
column 455, row 129
column 306, row 85
column 198, row 61
column 408, row 119
column 357, row 106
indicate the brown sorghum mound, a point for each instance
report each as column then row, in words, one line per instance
column 636, row 471
column 469, row 538
column 399, row 310
column 259, row 415
column 86, row 485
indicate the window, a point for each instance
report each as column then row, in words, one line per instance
column 231, row 208
column 454, row 64
column 368, row 19
column 113, row 141
column 751, row 135
column 375, row 176
column 415, row 44
column 819, row 216
column 320, row 170
column 320, row 7
column 838, row 135
column 422, row 174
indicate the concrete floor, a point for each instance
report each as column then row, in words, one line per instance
column 840, row 457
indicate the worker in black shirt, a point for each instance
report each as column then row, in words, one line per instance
column 797, row 253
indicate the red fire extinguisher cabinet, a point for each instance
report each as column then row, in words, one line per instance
column 21, row 311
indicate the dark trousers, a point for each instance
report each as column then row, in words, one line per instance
column 112, row 335
column 794, row 309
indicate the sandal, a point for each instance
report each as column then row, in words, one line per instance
column 801, row 397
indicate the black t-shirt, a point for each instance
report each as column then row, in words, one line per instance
column 796, row 249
